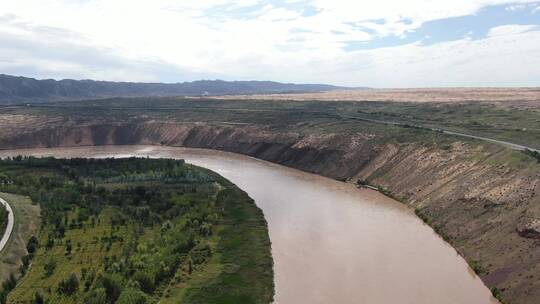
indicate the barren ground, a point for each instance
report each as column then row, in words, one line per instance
column 517, row 97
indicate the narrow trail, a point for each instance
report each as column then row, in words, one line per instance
column 9, row 228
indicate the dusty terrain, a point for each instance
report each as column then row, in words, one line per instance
column 518, row 97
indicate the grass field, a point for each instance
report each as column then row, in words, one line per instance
column 87, row 253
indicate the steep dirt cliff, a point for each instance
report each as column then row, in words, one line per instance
column 481, row 198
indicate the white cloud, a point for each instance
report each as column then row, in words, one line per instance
column 516, row 7
column 510, row 29
column 209, row 37
column 46, row 52
column 501, row 60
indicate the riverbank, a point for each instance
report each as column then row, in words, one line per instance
column 475, row 196
column 482, row 197
column 330, row 241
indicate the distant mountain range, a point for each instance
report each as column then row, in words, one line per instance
column 15, row 89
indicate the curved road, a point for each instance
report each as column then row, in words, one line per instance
column 495, row 141
column 500, row 142
column 9, row 228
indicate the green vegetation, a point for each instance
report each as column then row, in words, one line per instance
column 477, row 267
column 497, row 293
column 137, row 231
column 439, row 229
column 534, row 154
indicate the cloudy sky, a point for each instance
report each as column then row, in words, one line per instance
column 380, row 43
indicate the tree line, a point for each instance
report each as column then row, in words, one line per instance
column 155, row 217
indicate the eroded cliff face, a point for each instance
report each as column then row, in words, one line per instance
column 483, row 199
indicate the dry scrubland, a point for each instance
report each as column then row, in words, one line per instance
column 483, row 198
column 520, row 97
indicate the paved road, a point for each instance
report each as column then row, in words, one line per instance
column 9, row 228
column 500, row 142
column 496, row 141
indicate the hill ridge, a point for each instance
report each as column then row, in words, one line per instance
column 16, row 89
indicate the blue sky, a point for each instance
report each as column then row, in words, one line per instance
column 384, row 43
column 474, row 26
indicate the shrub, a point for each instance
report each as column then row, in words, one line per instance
column 3, row 297
column 132, row 296
column 97, row 296
column 9, row 284
column 69, row 285
column 145, row 280
column 533, row 153
column 49, row 268
column 497, row 293
column 113, row 287
column 32, row 245
column 477, row 267
column 38, row 298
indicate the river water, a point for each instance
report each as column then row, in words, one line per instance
column 331, row 242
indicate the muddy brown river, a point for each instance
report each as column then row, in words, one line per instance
column 331, row 242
